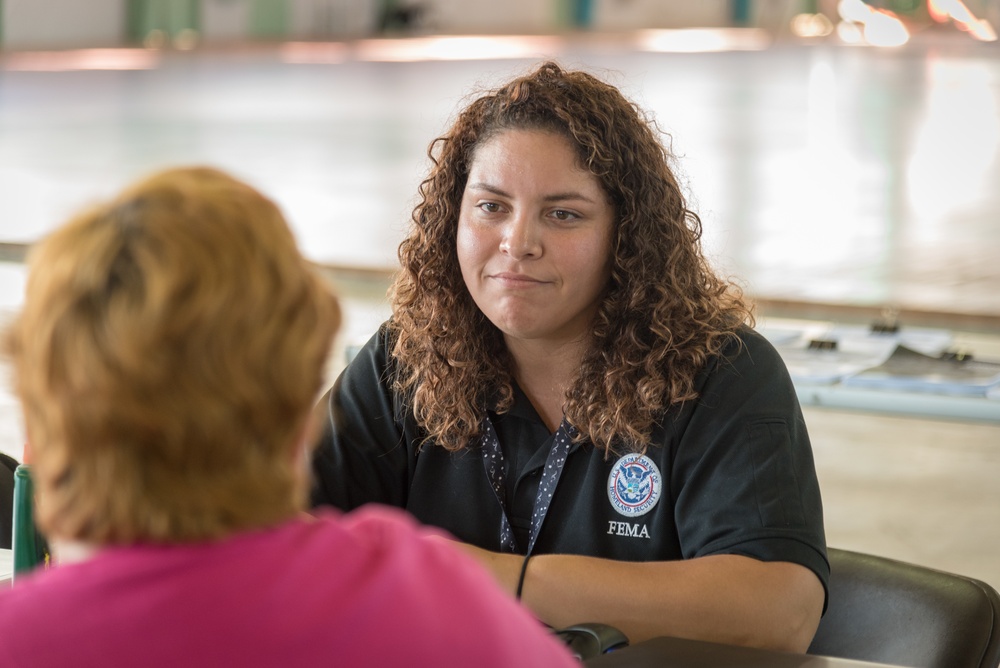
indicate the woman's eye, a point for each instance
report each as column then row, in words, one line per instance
column 490, row 207
column 561, row 214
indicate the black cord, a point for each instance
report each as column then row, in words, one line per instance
column 520, row 579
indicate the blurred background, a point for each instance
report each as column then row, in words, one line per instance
column 844, row 158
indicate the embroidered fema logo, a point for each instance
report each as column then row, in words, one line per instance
column 634, row 485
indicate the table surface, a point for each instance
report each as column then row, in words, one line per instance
column 679, row 653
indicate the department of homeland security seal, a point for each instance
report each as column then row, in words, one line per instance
column 634, row 485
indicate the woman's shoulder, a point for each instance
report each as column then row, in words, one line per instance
column 445, row 597
column 375, row 354
column 747, row 343
column 747, row 355
column 382, row 524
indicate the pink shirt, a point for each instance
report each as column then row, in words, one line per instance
column 367, row 588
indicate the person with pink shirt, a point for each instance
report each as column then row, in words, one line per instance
column 168, row 357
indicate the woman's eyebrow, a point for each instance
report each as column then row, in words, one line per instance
column 554, row 197
column 482, row 185
column 562, row 197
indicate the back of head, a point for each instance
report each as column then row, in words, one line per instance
column 170, row 349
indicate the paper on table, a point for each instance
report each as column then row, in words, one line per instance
column 927, row 340
column 826, row 367
column 912, row 371
column 856, row 348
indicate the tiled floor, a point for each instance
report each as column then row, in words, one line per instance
column 849, row 176
column 919, row 490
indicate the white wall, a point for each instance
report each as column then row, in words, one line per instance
column 492, row 16
column 62, row 23
column 635, row 14
column 539, row 16
column 71, row 23
column 229, row 20
column 332, row 18
column 224, row 20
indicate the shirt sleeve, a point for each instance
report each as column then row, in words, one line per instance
column 363, row 453
column 744, row 467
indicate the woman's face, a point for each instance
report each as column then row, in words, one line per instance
column 534, row 237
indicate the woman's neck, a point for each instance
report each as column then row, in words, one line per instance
column 544, row 371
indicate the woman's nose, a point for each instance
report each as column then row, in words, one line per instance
column 521, row 238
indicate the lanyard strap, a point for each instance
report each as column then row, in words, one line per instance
column 554, row 465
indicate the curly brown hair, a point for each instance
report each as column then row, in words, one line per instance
column 665, row 311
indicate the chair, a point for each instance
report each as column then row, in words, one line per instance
column 7, row 467
column 887, row 611
column 30, row 549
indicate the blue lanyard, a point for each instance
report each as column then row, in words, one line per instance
column 554, row 465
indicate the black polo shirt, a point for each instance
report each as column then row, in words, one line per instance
column 733, row 474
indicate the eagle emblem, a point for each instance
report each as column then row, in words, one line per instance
column 634, row 485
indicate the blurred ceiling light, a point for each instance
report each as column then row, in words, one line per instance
column 885, row 29
column 942, row 10
column 983, row 30
column 80, row 59
column 698, row 40
column 854, row 11
column 849, row 32
column 457, row 47
column 811, row 25
column 956, row 10
column 879, row 27
column 313, row 53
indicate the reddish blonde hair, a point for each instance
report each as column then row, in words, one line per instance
column 170, row 348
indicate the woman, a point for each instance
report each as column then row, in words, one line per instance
column 564, row 378
column 168, row 359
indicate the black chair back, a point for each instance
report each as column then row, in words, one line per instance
column 7, row 467
column 888, row 611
